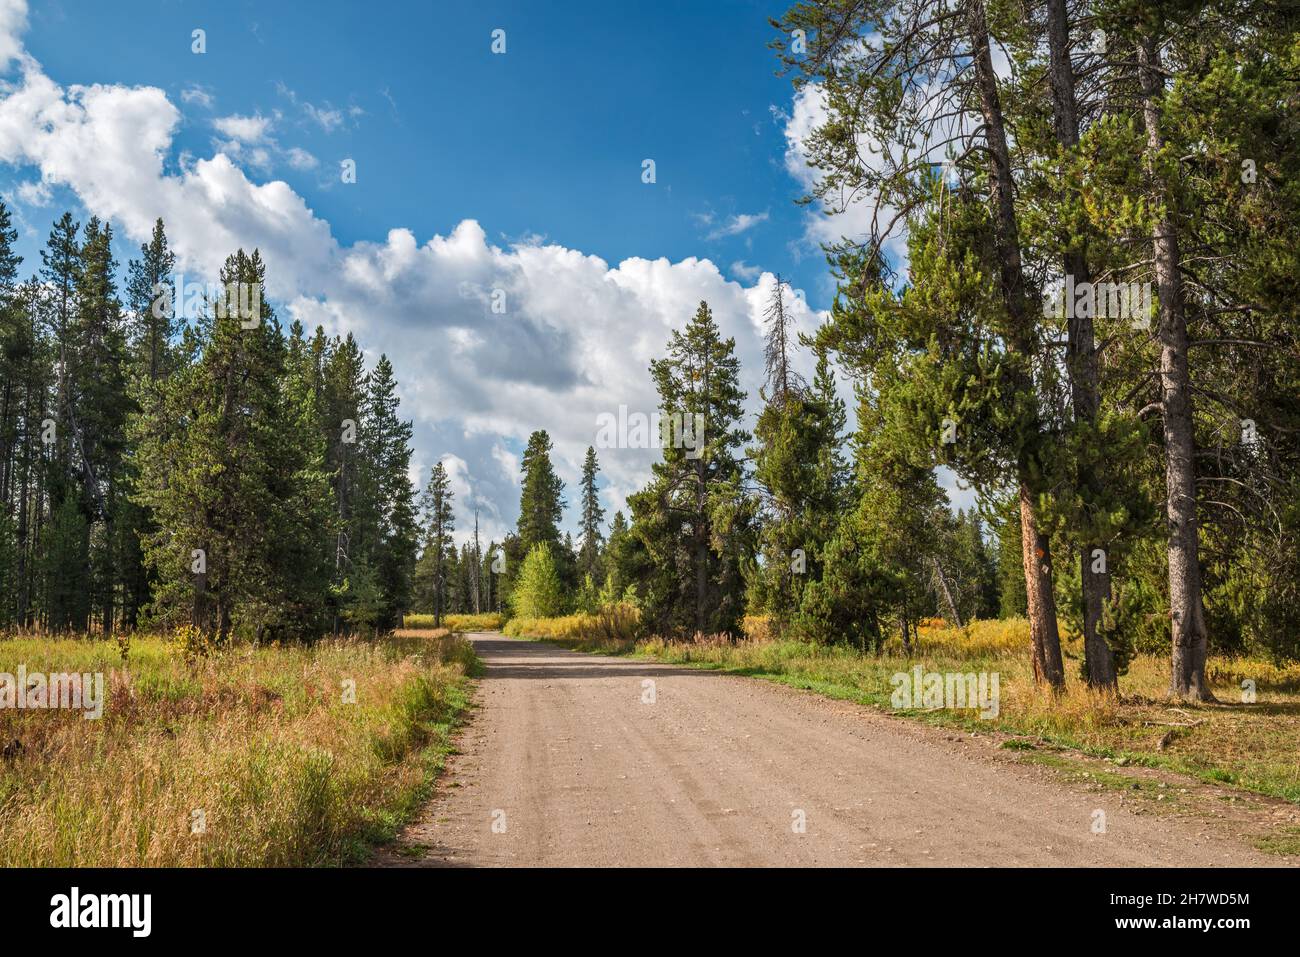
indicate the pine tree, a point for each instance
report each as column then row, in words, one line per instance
column 830, row 490
column 390, row 539
column 1223, row 117
column 479, row 599
column 29, row 355
column 301, row 554
column 65, row 576
column 464, row 580
column 13, row 350
column 152, row 328
column 541, row 505
column 965, row 567
column 98, row 408
column 694, row 518
column 880, row 563
column 439, row 523
column 624, row 563
column 493, row 597
column 589, row 558
column 8, row 570
column 864, row 63
column 342, row 389
column 782, row 382
column 799, row 468
column 1082, row 356
column 153, row 305
column 1012, row 601
column 239, row 494
column 160, row 470
column 66, row 558
column 1186, row 608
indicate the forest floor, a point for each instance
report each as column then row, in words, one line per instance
column 580, row 759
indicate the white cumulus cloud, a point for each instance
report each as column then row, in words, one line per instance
column 574, row 339
column 246, row 129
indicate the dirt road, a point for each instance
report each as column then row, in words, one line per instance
column 575, row 759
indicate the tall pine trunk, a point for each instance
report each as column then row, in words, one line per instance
column 701, row 547
column 437, row 587
column 1043, row 629
column 23, row 586
column 1081, row 359
column 1187, row 616
column 7, row 457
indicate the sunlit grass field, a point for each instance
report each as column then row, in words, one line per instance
column 612, row 629
column 270, row 756
column 1251, row 745
column 488, row 621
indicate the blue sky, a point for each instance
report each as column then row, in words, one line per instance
column 546, row 140
column 478, row 176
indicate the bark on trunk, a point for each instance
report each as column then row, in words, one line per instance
column 1040, row 599
column 6, row 457
column 701, row 548
column 1037, row 555
column 106, row 612
column 437, row 583
column 1187, row 617
column 1081, row 360
column 942, row 579
column 21, row 613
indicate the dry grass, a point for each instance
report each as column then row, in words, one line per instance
column 1254, row 746
column 989, row 638
column 261, row 741
column 489, row 621
column 614, row 628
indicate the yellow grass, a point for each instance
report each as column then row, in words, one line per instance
column 614, row 627
column 243, row 757
column 489, row 621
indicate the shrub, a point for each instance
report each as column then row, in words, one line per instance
column 190, row 643
column 539, row 593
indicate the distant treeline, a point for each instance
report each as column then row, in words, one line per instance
column 168, row 458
